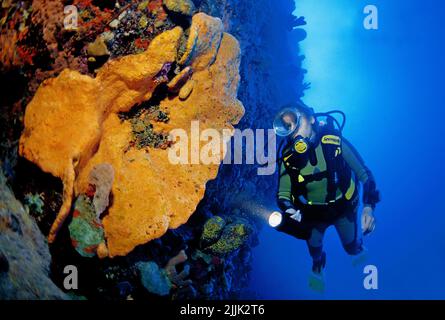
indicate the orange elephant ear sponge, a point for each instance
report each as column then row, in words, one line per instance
column 73, row 125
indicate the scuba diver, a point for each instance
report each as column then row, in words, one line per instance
column 319, row 176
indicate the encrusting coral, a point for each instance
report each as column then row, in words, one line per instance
column 159, row 280
column 86, row 229
column 212, row 230
column 50, row 14
column 185, row 7
column 72, row 125
column 220, row 237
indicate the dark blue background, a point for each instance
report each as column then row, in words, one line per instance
column 390, row 83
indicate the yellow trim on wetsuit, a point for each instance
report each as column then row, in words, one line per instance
column 350, row 192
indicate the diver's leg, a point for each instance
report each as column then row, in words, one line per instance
column 348, row 230
column 315, row 246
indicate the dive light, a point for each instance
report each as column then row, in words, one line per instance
column 290, row 224
column 275, row 219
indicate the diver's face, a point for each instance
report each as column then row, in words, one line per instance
column 305, row 129
column 288, row 120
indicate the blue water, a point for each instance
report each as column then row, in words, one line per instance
column 390, row 83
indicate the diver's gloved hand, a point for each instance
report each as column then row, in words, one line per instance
column 368, row 220
column 294, row 214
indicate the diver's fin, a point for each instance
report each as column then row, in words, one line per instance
column 316, row 282
column 360, row 259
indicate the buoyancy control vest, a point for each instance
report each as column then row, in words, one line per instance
column 319, row 174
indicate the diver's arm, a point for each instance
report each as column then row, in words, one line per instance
column 285, row 196
column 354, row 160
column 284, row 190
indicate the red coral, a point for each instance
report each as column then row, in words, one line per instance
column 141, row 43
column 26, row 54
column 8, row 56
column 155, row 7
column 83, row 4
column 49, row 14
column 97, row 224
column 91, row 191
column 90, row 249
column 12, row 33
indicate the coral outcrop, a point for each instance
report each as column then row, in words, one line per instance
column 220, row 237
column 86, row 230
column 72, row 125
column 212, row 230
column 185, row 7
column 161, row 280
column 203, row 42
column 154, row 279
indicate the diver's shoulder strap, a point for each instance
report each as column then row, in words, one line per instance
column 330, row 140
column 328, row 128
column 284, row 144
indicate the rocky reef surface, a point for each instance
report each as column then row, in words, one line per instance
column 24, row 254
column 190, row 52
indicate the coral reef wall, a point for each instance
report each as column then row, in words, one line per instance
column 210, row 255
column 271, row 76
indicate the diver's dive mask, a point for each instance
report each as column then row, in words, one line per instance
column 287, row 122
